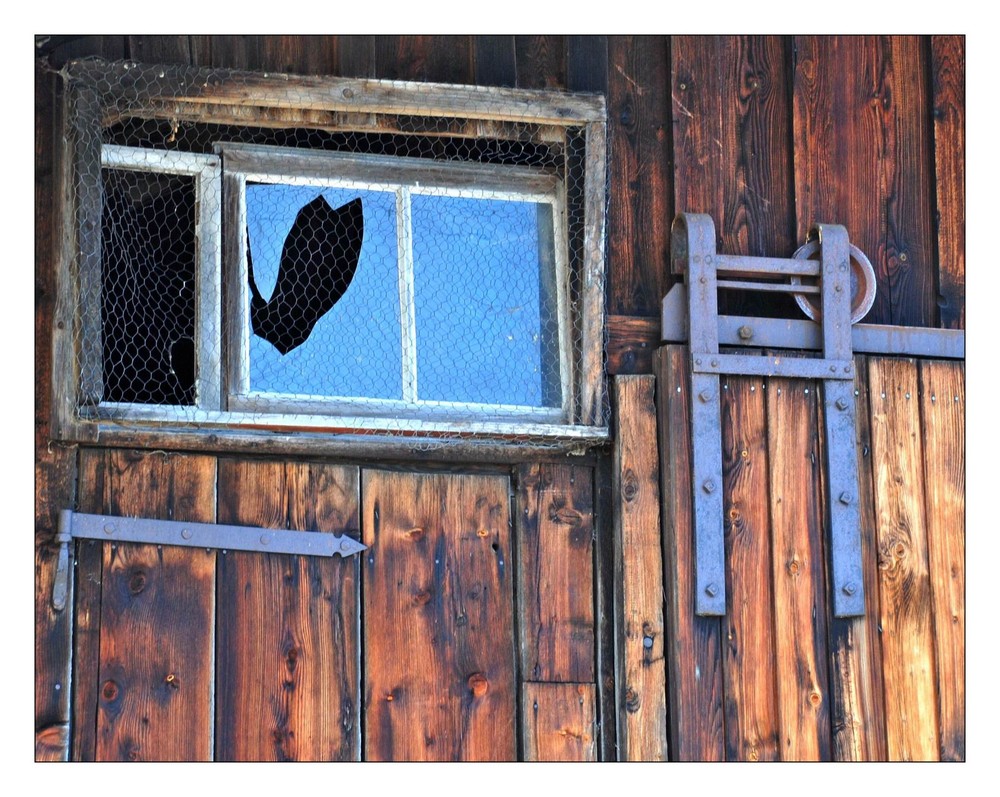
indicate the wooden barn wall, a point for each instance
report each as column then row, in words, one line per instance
column 558, row 624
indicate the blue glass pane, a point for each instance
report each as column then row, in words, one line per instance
column 354, row 349
column 484, row 317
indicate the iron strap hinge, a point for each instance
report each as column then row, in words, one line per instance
column 79, row 525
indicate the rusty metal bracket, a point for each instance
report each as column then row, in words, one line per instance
column 216, row 536
column 693, row 253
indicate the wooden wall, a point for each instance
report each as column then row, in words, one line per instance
column 583, row 657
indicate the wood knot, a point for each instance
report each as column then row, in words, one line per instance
column 478, row 684
column 630, row 485
column 172, row 681
column 110, row 690
column 483, row 533
column 815, row 698
column 793, row 567
column 631, row 700
column 422, row 598
column 137, row 582
column 416, row 534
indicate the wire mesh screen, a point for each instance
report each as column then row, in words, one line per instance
column 417, row 273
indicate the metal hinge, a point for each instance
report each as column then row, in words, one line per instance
column 79, row 525
column 841, row 304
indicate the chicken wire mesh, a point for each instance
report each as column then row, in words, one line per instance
column 416, row 274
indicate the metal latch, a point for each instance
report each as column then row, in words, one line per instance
column 841, row 304
column 77, row 525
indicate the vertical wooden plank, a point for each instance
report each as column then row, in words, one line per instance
column 942, row 415
column 357, row 56
column 303, row 55
column 863, row 159
column 439, row 59
column 587, row 63
column 541, row 62
column 905, row 590
column 637, row 524
column 748, row 627
column 857, row 702
column 639, row 218
column 288, row 625
column 438, row 618
column 948, row 74
column 800, row 595
column 495, row 60
column 694, row 644
column 732, row 154
column 608, row 579
column 87, row 604
column 55, row 466
column 559, row 722
column 555, row 511
column 157, row 612
column 160, row 49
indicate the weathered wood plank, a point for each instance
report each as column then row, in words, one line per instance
column 160, row 49
column 608, row 579
column 905, row 590
column 52, row 742
column 541, row 62
column 863, row 159
column 948, row 75
column 555, row 511
column 631, row 343
column 732, row 157
column 694, row 644
column 304, row 55
column 857, row 702
column 87, row 603
column 440, row 59
column 55, row 466
column 749, row 664
column 357, row 56
column 639, row 217
column 495, row 60
column 438, row 618
column 800, row 613
column 587, row 63
column 289, row 686
column 157, row 615
column 559, row 722
column 942, row 409
column 637, row 522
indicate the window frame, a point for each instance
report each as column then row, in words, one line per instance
column 258, row 100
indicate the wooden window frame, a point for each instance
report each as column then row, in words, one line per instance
column 257, row 100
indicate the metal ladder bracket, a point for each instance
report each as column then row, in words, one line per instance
column 693, row 254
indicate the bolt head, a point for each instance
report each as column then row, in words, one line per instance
column 186, row 534
column 715, row 363
column 849, row 588
column 712, row 590
column 647, row 642
column 841, row 404
column 708, row 486
column 705, row 396
column 746, row 332
column 845, row 498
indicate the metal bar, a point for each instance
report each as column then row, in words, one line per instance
column 767, row 287
column 60, row 581
column 842, row 499
column 693, row 251
column 836, row 290
column 791, row 333
column 732, row 265
column 759, row 365
column 210, row 535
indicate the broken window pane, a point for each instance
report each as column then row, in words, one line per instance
column 148, row 285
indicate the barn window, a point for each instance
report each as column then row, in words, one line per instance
column 430, row 275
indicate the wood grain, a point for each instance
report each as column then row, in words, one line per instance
column 587, row 63
column 636, row 488
column 495, row 60
column 948, row 75
column 52, row 743
column 438, row 618
column 857, row 702
column 288, row 648
column 905, row 589
column 559, row 722
column 541, row 62
column 694, row 644
column 157, row 615
column 732, row 157
column 748, row 627
column 639, row 217
column 800, row 596
column 942, row 416
column 555, row 517
column 863, row 159
column 631, row 343
column 160, row 49
column 439, row 59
